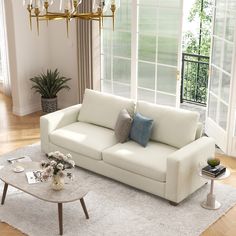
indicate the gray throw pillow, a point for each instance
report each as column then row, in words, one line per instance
column 123, row 125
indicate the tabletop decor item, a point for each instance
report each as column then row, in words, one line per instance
column 58, row 162
column 213, row 162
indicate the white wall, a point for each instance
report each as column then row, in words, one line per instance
column 63, row 55
column 30, row 54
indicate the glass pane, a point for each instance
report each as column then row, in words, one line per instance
column 230, row 25
column 123, row 16
column 106, row 65
column 106, row 41
column 106, row 86
column 168, row 51
column 122, row 44
column 148, row 20
column 228, row 56
column 169, row 3
column 212, row 107
column 221, row 3
column 121, row 90
column 147, row 48
column 165, row 99
column 148, row 2
column 225, row 85
column 121, row 70
column 219, row 22
column 166, row 79
column 216, row 52
column 215, row 78
column 223, row 115
column 232, row 5
column 146, row 95
column 169, row 22
column 161, row 3
column 146, row 75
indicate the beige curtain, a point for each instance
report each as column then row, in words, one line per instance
column 85, row 56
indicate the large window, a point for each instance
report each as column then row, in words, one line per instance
column 140, row 58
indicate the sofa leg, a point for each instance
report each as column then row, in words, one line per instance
column 173, row 203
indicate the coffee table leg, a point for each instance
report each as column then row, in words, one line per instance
column 4, row 193
column 84, row 208
column 60, row 217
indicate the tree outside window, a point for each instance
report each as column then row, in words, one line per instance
column 196, row 46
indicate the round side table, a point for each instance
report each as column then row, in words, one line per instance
column 211, row 203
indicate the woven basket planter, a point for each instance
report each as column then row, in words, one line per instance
column 49, row 104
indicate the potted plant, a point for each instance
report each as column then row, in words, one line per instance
column 58, row 162
column 48, row 85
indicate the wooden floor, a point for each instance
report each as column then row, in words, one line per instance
column 17, row 132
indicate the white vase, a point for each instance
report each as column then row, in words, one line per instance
column 57, row 182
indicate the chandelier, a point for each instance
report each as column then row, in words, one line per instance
column 68, row 10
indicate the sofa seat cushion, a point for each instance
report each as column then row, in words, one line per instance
column 86, row 139
column 150, row 161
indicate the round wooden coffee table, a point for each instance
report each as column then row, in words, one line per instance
column 211, row 203
column 71, row 192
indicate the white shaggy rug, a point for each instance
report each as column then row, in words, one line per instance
column 114, row 209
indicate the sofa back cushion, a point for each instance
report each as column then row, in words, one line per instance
column 175, row 127
column 103, row 109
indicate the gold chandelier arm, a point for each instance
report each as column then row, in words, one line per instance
column 113, row 9
column 67, row 13
column 104, row 16
column 55, row 14
column 88, row 16
column 29, row 8
column 37, row 14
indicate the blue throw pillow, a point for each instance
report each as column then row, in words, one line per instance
column 141, row 129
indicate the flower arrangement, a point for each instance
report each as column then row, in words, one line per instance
column 58, row 162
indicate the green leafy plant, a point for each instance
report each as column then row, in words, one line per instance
column 49, row 84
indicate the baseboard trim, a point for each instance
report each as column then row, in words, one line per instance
column 22, row 111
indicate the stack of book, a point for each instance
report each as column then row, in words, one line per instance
column 213, row 171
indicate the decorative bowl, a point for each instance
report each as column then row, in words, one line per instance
column 213, row 162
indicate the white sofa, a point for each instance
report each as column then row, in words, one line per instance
column 166, row 167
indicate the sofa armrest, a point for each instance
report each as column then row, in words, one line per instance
column 182, row 176
column 54, row 121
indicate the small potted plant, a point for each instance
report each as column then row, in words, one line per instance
column 213, row 162
column 48, row 85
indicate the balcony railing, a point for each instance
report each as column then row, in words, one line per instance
column 194, row 78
